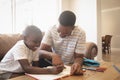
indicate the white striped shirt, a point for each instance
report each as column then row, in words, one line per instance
column 66, row 47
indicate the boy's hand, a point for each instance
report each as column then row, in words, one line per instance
column 57, row 69
column 76, row 69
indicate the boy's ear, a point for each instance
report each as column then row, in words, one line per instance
column 21, row 37
column 24, row 37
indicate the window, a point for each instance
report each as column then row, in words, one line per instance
column 5, row 16
column 20, row 13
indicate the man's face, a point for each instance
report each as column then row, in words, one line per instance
column 33, row 42
column 64, row 31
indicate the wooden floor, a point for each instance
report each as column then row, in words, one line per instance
column 113, row 57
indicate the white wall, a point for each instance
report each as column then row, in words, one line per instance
column 99, row 41
column 65, row 5
column 85, row 11
column 110, row 13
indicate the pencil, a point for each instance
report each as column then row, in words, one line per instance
column 116, row 68
column 52, row 64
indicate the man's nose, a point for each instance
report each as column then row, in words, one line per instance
column 62, row 35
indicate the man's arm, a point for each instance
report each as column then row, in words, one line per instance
column 76, row 68
column 45, row 51
column 56, row 59
column 45, row 47
column 78, row 58
column 79, row 53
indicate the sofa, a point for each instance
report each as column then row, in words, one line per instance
column 8, row 40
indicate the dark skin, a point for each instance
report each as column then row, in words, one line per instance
column 33, row 42
column 76, row 67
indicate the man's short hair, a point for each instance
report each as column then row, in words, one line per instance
column 67, row 18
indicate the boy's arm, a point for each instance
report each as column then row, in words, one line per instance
column 35, row 63
column 37, row 70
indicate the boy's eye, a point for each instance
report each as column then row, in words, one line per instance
column 36, row 42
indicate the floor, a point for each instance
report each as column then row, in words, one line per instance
column 113, row 57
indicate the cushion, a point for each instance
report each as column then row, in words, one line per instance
column 6, row 42
column 91, row 50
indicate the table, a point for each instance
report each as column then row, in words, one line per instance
column 109, row 74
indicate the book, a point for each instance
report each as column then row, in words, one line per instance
column 64, row 73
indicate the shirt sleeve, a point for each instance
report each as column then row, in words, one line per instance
column 19, row 52
column 80, row 45
column 36, row 56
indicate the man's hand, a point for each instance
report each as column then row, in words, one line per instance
column 76, row 69
column 56, row 60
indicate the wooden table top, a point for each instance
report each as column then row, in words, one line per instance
column 109, row 74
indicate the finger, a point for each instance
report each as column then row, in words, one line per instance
column 57, row 70
column 72, row 70
column 60, row 67
column 75, row 69
column 79, row 73
column 57, row 63
column 78, row 69
column 60, row 70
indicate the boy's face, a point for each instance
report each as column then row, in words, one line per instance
column 64, row 31
column 33, row 41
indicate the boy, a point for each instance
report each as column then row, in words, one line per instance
column 23, row 56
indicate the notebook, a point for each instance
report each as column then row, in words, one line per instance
column 65, row 72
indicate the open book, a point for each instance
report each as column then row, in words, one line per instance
column 65, row 72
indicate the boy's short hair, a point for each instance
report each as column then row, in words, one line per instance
column 32, row 29
column 67, row 18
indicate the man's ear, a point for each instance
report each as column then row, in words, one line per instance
column 73, row 27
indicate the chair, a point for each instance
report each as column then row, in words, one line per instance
column 106, row 43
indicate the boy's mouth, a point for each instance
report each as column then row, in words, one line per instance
column 35, row 48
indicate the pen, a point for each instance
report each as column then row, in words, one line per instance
column 116, row 68
column 99, row 69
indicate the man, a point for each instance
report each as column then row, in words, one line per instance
column 67, row 41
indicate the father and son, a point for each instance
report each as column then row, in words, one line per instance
column 61, row 44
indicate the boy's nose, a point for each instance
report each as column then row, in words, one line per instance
column 37, row 44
